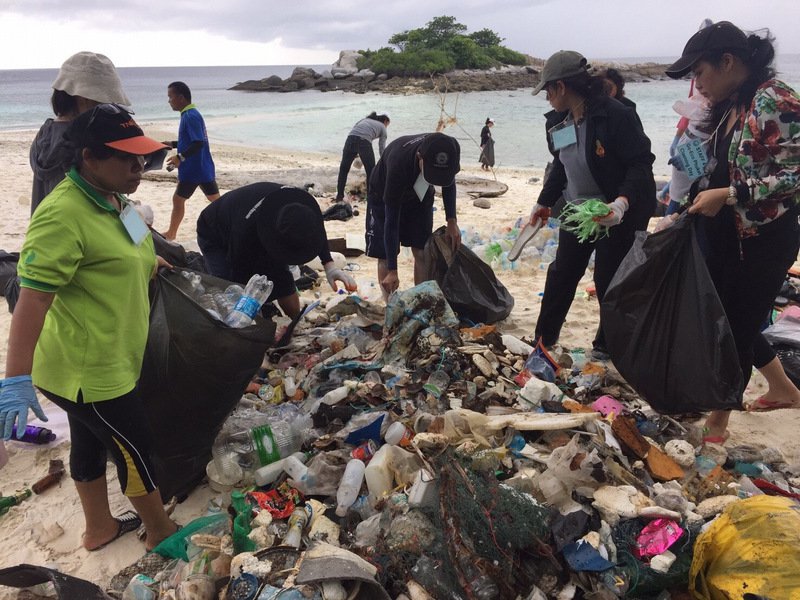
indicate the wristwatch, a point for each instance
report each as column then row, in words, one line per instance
column 732, row 196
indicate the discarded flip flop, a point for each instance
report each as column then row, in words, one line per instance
column 126, row 522
column 763, row 404
column 525, row 235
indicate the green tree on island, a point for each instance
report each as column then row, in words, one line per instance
column 441, row 46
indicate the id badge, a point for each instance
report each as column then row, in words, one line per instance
column 563, row 135
column 421, row 187
column 134, row 224
column 693, row 157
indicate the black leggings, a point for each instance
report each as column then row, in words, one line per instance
column 354, row 146
column 118, row 427
column 569, row 266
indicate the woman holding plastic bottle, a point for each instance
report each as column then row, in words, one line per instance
column 747, row 197
column 599, row 151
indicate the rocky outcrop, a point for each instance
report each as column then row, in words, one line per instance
column 345, row 75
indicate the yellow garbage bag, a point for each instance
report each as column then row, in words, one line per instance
column 753, row 547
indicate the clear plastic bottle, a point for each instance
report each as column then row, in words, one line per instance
column 269, row 473
column 255, row 294
column 349, row 486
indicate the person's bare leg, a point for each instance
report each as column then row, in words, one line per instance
column 781, row 392
column 716, row 425
column 156, row 521
column 420, row 266
column 100, row 524
column 383, row 271
column 178, row 210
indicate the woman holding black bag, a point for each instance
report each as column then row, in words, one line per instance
column 747, row 193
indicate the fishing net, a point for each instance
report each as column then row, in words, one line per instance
column 484, row 541
column 578, row 219
column 642, row 581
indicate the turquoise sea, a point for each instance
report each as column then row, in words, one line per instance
column 317, row 121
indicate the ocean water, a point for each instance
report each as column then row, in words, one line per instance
column 317, row 121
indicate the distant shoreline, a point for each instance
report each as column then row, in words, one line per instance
column 464, row 80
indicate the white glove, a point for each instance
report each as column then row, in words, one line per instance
column 333, row 275
column 618, row 208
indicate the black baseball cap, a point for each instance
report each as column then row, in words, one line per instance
column 561, row 65
column 719, row 37
column 441, row 155
column 113, row 126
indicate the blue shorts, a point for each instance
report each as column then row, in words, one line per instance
column 416, row 224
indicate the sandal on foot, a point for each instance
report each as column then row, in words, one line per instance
column 716, row 439
column 126, row 522
column 764, row 404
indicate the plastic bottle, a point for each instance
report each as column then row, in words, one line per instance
column 269, row 473
column 140, row 587
column 289, row 382
column 398, row 435
column 437, row 383
column 297, row 523
column 294, row 467
column 34, row 435
column 349, row 486
column 274, row 441
column 337, row 395
column 255, row 294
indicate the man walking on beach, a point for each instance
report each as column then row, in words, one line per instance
column 194, row 162
column 400, row 201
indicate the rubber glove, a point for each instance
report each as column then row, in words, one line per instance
column 16, row 397
column 540, row 213
column 617, row 208
column 334, row 274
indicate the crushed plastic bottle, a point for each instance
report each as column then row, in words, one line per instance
column 255, row 295
column 350, row 486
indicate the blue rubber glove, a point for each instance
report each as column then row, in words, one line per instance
column 16, row 397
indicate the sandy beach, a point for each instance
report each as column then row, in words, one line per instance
column 46, row 529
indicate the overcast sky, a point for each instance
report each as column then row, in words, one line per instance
column 42, row 33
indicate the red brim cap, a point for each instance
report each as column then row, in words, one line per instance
column 140, row 145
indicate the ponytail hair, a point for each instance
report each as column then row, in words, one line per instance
column 759, row 58
column 589, row 87
column 383, row 118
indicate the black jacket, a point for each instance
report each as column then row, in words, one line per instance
column 617, row 152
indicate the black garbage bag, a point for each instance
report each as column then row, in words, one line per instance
column 8, row 268
column 340, row 211
column 790, row 359
column 66, row 586
column 195, row 370
column 665, row 327
column 177, row 255
column 11, row 292
column 469, row 284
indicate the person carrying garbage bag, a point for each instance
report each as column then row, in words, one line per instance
column 263, row 228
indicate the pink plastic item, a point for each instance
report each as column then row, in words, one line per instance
column 656, row 537
column 607, row 405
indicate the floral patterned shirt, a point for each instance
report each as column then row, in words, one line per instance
column 765, row 159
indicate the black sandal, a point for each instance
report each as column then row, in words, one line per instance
column 126, row 522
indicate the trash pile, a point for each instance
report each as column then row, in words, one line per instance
column 494, row 247
column 386, row 453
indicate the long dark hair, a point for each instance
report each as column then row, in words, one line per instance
column 759, row 59
column 376, row 117
column 63, row 104
column 590, row 87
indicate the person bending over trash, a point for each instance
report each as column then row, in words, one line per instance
column 400, row 201
column 263, row 228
